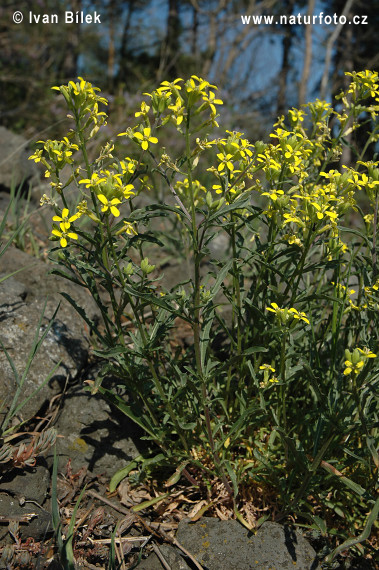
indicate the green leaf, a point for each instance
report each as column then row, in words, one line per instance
column 372, row 445
column 68, row 558
column 239, row 204
column 15, row 272
column 176, row 476
column 347, row 482
column 220, row 278
column 54, row 502
column 360, row 538
column 320, row 524
column 233, row 477
column 115, row 400
column 147, row 504
column 67, row 276
column 153, row 300
column 253, row 350
column 123, row 473
column 205, row 336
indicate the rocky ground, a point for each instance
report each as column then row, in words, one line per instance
column 94, row 442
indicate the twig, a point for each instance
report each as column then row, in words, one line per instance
column 123, row 511
column 148, row 527
column 176, row 543
column 116, row 539
column 18, row 518
column 161, row 557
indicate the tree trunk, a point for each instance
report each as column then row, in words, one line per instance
column 308, row 56
column 111, row 45
column 283, row 74
column 172, row 38
column 69, row 65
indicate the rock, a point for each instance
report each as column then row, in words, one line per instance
column 221, row 545
column 28, row 483
column 22, row 302
column 170, row 554
column 94, row 434
column 37, row 528
column 25, row 491
column 15, row 168
column 281, row 547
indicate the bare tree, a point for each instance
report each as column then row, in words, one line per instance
column 329, row 48
column 308, row 55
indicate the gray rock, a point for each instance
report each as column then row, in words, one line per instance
column 24, row 491
column 22, row 301
column 94, row 434
column 15, row 168
column 221, row 545
column 171, row 556
column 37, row 528
column 28, row 483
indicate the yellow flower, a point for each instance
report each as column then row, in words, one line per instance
column 109, row 205
column 225, row 161
column 366, row 352
column 212, row 101
column 353, row 368
column 178, row 111
column 299, row 315
column 66, row 219
column 128, row 191
column 64, row 234
column 144, row 110
column 191, row 84
column 36, row 156
column 284, row 315
column 273, row 194
column 267, row 377
column 128, row 229
column 267, row 367
column 94, row 181
column 167, row 86
column 128, row 165
column 145, row 138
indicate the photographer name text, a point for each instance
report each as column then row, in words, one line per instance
column 68, row 18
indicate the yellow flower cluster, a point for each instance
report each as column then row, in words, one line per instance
column 368, row 181
column 268, row 375
column 235, row 158
column 286, row 316
column 300, row 196
column 63, row 232
column 364, row 84
column 199, row 191
column 174, row 101
column 356, row 360
column 83, row 101
column 54, row 155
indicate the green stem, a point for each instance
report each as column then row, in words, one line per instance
column 236, row 307
column 140, row 327
column 375, row 224
column 282, row 415
column 197, row 314
column 299, row 271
